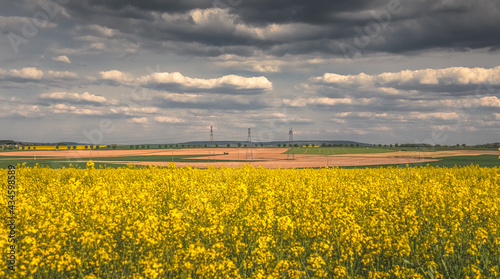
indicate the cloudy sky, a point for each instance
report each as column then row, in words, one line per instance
column 158, row 71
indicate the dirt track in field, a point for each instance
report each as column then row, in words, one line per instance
column 265, row 157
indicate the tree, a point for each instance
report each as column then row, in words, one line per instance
column 279, row 144
column 57, row 147
column 245, row 145
column 74, row 147
column 217, row 146
column 114, row 146
column 464, row 145
column 228, row 145
column 312, row 144
column 86, row 147
column 68, row 147
column 390, row 145
column 307, row 144
column 137, row 147
column 357, row 144
column 261, row 145
column 396, row 145
column 239, row 144
column 131, row 147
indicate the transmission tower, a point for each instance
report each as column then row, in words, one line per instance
column 291, row 153
column 211, row 151
column 249, row 155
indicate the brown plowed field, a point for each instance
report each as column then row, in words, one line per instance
column 265, row 157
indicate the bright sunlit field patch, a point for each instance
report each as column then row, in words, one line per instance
column 151, row 222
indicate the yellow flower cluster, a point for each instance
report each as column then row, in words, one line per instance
column 248, row 222
column 53, row 147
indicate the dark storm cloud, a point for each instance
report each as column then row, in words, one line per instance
column 259, row 12
column 179, row 6
column 281, row 27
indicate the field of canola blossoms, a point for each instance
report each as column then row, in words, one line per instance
column 250, row 222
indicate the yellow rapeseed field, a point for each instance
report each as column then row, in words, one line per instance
column 61, row 147
column 248, row 222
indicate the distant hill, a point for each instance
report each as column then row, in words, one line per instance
column 275, row 143
column 8, row 142
column 233, row 143
column 12, row 142
column 203, row 143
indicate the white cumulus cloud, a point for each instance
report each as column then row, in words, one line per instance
column 62, row 58
column 138, row 120
column 232, row 81
column 232, row 84
column 33, row 74
column 117, row 77
column 168, row 119
column 415, row 78
column 73, row 97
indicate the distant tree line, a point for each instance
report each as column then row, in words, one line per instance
column 11, row 145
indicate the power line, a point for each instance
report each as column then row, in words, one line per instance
column 211, row 151
column 291, row 153
column 249, row 154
